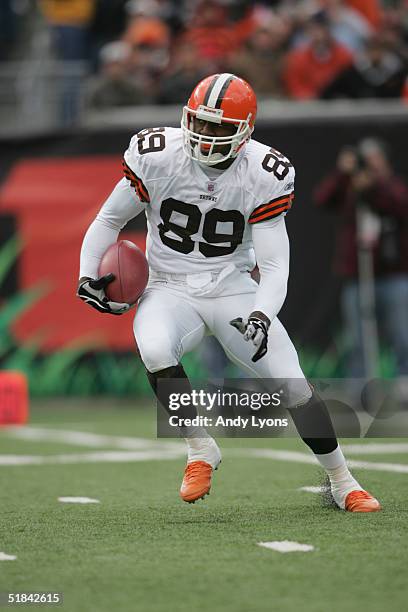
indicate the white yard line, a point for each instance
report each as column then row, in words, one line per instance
column 156, row 454
column 285, row 546
column 5, row 557
column 95, row 457
column 297, row 457
column 93, row 440
column 90, row 440
column 78, row 500
column 374, row 466
column 373, row 448
column 143, row 449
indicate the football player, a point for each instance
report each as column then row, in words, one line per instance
column 215, row 202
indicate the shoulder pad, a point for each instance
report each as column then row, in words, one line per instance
column 273, row 180
column 154, row 150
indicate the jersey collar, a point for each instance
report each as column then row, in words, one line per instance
column 221, row 176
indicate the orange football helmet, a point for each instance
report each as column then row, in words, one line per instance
column 219, row 98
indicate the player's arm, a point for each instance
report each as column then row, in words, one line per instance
column 271, row 245
column 122, row 205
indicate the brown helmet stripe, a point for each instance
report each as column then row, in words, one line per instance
column 223, row 92
column 209, row 90
column 217, row 89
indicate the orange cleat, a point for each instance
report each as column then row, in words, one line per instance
column 361, row 501
column 196, row 482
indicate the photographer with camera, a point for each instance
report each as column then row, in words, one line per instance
column 372, row 253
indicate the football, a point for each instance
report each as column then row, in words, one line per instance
column 129, row 265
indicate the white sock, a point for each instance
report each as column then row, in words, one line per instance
column 203, row 449
column 332, row 461
column 341, row 480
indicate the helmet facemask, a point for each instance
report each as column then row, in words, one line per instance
column 193, row 142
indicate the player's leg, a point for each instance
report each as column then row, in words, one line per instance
column 166, row 327
column 281, row 362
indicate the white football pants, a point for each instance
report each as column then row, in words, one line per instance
column 173, row 317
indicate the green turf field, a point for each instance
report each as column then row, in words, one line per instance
column 142, row 549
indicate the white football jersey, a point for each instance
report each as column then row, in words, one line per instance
column 199, row 219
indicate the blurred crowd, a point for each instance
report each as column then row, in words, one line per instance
column 371, row 201
column 155, row 51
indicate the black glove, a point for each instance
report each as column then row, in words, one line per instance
column 92, row 291
column 255, row 328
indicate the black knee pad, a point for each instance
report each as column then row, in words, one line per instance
column 313, row 422
column 171, row 372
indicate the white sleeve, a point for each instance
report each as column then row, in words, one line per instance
column 121, row 206
column 271, row 244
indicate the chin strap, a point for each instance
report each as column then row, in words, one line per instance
column 204, row 159
column 215, row 158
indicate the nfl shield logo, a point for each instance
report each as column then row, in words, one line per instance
column 211, row 186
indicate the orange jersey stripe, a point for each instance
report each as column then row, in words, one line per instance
column 136, row 182
column 270, row 214
column 272, row 204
